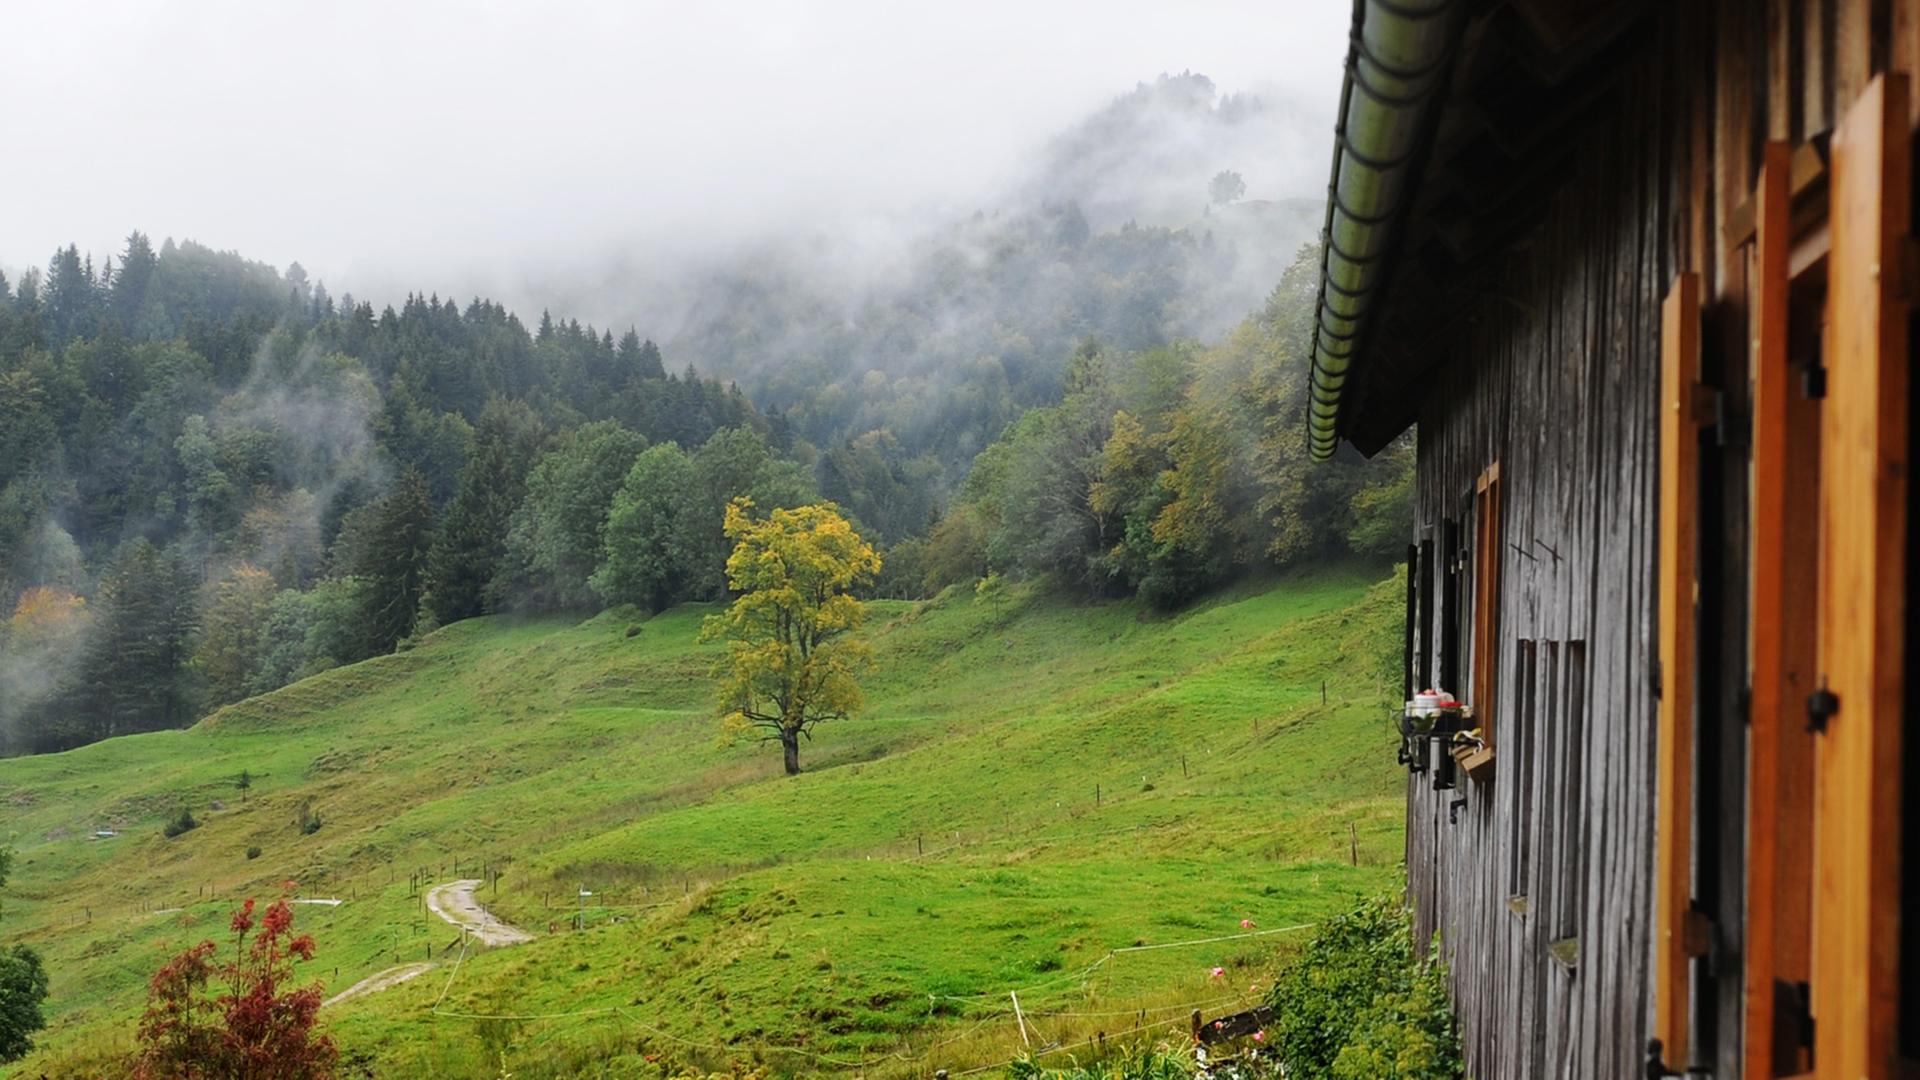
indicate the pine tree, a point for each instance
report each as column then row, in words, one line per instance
column 467, row 552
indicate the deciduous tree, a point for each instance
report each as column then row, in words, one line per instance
column 555, row 538
column 233, row 639
column 793, row 659
column 656, row 533
column 23, row 986
column 1226, row 187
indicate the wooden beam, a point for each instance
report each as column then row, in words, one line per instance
column 1806, row 166
column 1675, row 944
column 1863, row 533
column 1786, row 513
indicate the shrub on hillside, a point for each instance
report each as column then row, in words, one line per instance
column 23, row 986
column 241, row 1018
column 1358, row 1003
column 183, row 822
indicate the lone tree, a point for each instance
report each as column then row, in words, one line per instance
column 1226, row 187
column 791, row 658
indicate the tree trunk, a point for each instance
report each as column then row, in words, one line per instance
column 790, row 742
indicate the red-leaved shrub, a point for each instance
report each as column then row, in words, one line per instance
column 237, row 1020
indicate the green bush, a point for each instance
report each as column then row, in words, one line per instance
column 1358, row 1003
column 253, row 852
column 180, row 823
column 23, row 986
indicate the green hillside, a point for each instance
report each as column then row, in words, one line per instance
column 1035, row 785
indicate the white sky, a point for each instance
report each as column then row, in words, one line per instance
column 425, row 144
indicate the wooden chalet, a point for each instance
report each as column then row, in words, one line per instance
column 1641, row 278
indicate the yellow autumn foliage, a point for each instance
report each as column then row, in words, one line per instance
column 792, row 660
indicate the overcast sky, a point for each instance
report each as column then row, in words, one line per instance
column 424, row 144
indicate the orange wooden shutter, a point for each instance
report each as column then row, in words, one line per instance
column 1863, row 532
column 1786, row 514
column 1677, row 941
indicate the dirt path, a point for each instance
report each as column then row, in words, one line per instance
column 454, row 902
column 379, row 981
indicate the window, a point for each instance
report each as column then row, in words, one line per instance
column 1427, row 619
column 1570, row 860
column 1413, row 620
column 1520, row 750
column 1450, row 607
column 1486, row 599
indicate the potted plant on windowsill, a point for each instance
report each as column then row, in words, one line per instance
column 1430, row 720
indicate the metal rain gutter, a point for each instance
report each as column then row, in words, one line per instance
column 1396, row 67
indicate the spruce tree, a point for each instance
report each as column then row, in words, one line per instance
column 130, row 285
column 132, row 674
column 473, row 537
column 391, row 559
column 70, row 295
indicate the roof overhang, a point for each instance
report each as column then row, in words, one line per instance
column 1431, row 185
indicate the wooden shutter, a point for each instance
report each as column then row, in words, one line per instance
column 1786, row 513
column 1487, row 544
column 1863, row 533
column 1679, row 937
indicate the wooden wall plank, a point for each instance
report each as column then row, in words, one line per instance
column 1678, row 545
column 1780, row 69
column 1852, row 48
column 1816, row 67
column 1862, row 589
column 1903, row 50
column 1736, row 57
column 1786, row 514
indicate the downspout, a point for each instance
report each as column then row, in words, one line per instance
column 1396, row 68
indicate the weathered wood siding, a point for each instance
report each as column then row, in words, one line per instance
column 1555, row 377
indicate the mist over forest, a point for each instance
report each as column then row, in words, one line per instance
column 218, row 476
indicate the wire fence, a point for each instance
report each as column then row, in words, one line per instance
column 1012, row 1011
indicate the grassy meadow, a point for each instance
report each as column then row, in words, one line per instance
column 1043, row 797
